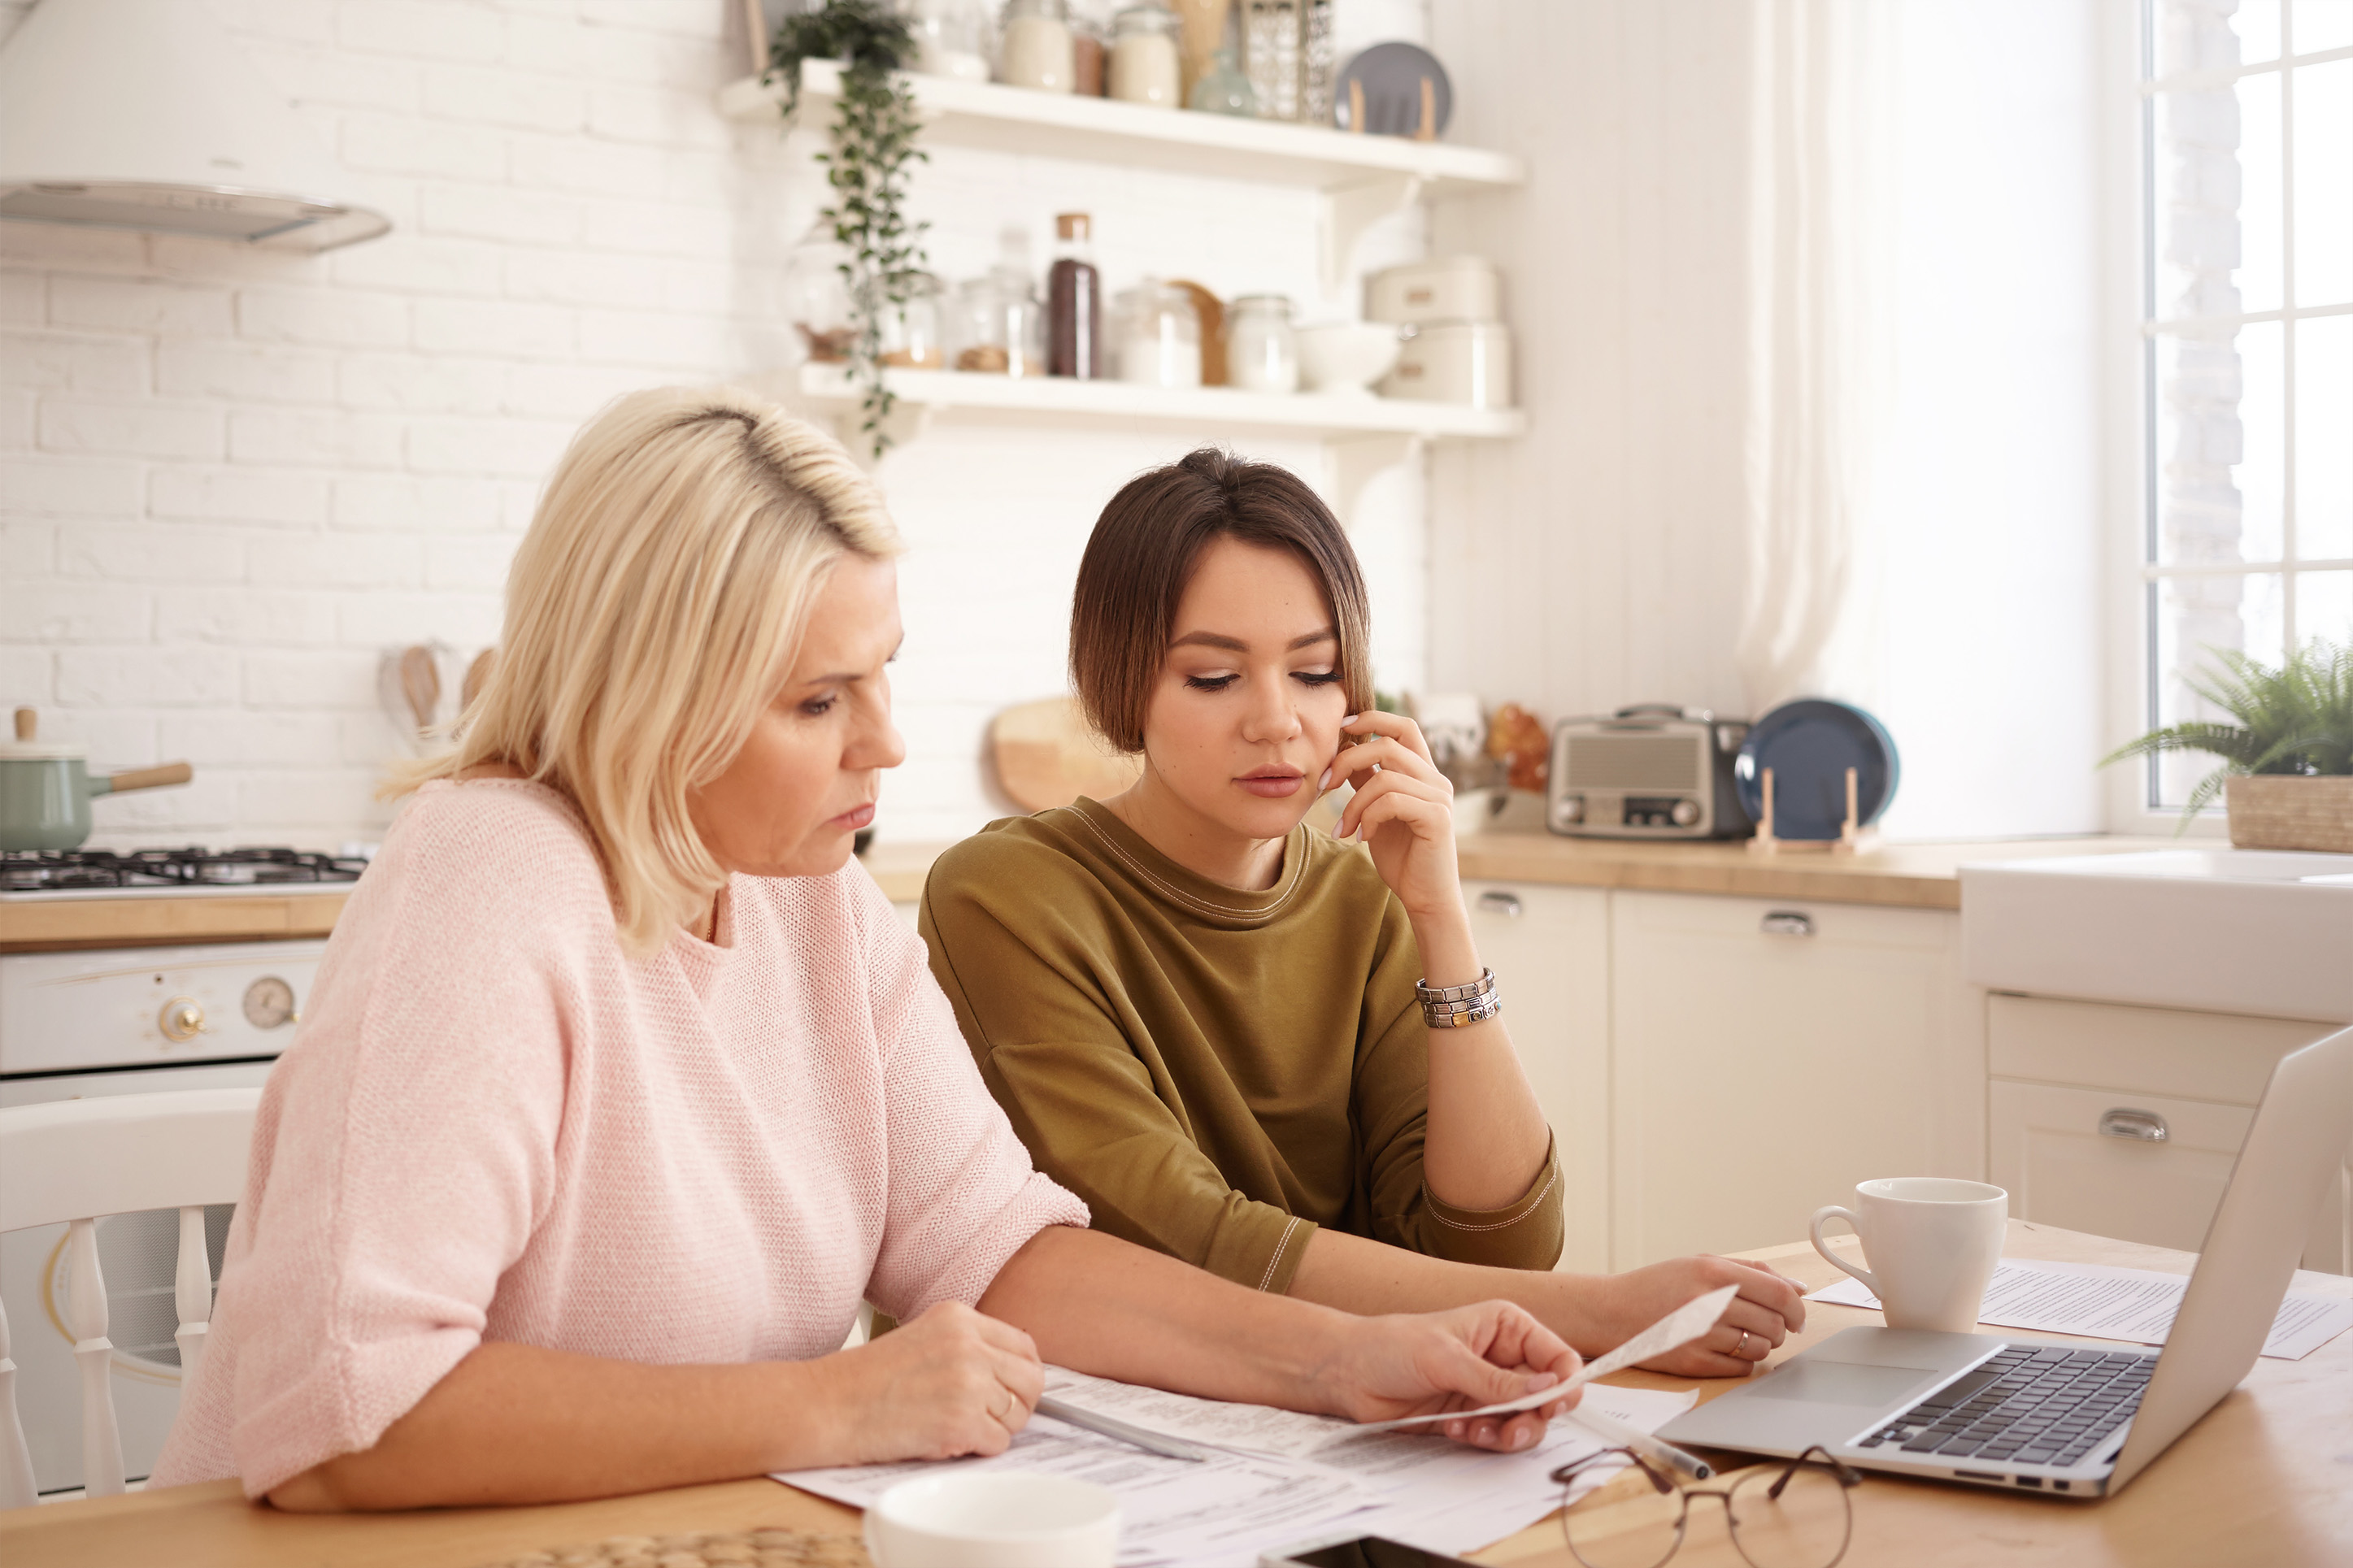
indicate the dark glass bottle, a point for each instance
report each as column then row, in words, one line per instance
column 1074, row 303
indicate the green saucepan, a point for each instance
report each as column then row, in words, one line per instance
column 46, row 788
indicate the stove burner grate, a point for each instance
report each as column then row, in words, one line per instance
column 57, row 870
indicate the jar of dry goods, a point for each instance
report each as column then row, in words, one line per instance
column 1262, row 348
column 1143, row 59
column 1036, row 51
column 816, row 295
column 911, row 328
column 1156, row 336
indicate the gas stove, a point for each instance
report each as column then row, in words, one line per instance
column 149, row 872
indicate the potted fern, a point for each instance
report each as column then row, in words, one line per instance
column 2287, row 763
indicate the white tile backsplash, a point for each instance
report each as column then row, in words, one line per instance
column 230, row 479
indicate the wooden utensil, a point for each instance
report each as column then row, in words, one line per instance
column 420, row 684
column 1046, row 756
column 1212, row 312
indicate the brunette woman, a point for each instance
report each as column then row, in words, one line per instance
column 1262, row 1049
column 621, row 1085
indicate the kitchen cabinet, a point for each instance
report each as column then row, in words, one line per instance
column 1549, row 948
column 1767, row 1056
column 2125, row 1121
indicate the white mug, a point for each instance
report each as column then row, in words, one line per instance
column 994, row 1519
column 1932, row 1244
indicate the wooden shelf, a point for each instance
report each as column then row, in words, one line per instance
column 1060, row 401
column 1100, row 130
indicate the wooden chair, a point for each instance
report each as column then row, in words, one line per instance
column 79, row 1160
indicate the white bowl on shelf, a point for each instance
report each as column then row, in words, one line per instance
column 1344, row 358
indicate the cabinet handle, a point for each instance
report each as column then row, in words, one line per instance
column 1494, row 902
column 1787, row 923
column 2147, row 1126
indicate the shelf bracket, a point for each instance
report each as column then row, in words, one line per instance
column 1351, row 210
column 1350, row 463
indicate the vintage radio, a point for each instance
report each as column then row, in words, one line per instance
column 1652, row 770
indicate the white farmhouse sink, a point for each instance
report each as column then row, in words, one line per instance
column 2226, row 930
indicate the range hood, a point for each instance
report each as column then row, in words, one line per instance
column 144, row 114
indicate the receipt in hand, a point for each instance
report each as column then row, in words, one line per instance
column 1680, row 1327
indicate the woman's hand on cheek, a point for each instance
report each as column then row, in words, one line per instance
column 1403, row 808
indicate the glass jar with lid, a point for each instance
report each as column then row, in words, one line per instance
column 1035, row 50
column 999, row 328
column 911, row 328
column 951, row 38
column 1262, row 348
column 1156, row 336
column 1145, row 64
column 816, row 295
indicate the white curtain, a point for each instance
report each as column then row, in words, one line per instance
column 1821, row 227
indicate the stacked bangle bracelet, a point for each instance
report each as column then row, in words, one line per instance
column 1459, row 1007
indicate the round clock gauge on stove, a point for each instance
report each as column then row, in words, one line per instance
column 268, row 1003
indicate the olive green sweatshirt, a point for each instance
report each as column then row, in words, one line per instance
column 1216, row 1073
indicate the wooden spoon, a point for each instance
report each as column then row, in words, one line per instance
column 420, row 683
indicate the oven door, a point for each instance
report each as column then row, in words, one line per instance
column 139, row 1253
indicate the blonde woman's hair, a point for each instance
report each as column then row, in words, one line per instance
column 652, row 609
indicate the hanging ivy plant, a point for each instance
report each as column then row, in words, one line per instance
column 873, row 145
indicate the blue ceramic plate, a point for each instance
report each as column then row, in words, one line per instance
column 1810, row 744
column 1391, row 75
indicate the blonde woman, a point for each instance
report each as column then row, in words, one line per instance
column 1261, row 1050
column 621, row 1085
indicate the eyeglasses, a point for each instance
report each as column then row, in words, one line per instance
column 1793, row 1515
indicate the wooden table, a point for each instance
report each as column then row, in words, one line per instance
column 2266, row 1477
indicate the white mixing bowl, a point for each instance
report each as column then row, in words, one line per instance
column 1346, row 357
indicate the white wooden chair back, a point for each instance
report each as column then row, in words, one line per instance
column 79, row 1160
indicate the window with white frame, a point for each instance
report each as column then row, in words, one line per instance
column 2247, row 151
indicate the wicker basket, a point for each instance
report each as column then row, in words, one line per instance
column 2282, row 811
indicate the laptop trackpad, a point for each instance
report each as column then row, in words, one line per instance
column 1812, row 1399
column 1839, row 1382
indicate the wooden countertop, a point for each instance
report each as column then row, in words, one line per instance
column 2259, row 1480
column 57, row 925
column 1913, row 876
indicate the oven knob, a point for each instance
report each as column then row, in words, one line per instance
column 268, row 1003
column 183, row 1019
column 1686, row 813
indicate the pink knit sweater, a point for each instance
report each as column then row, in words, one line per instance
column 498, row 1127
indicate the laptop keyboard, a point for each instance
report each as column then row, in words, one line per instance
column 2029, row 1405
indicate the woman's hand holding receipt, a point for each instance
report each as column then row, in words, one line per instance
column 1478, row 1373
column 1680, row 1327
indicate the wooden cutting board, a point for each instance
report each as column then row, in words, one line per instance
column 1046, row 756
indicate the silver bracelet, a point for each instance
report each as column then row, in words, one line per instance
column 1460, row 1006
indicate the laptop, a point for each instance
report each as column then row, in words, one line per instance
column 2069, row 1420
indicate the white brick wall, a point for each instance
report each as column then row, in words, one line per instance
column 230, row 480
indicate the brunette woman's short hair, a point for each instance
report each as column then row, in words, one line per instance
column 1141, row 558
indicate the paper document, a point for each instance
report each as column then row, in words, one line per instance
column 1217, row 1511
column 1443, row 1497
column 1329, row 1477
column 1680, row 1327
column 2100, row 1301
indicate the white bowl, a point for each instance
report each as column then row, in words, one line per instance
column 994, row 1519
column 1346, row 357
